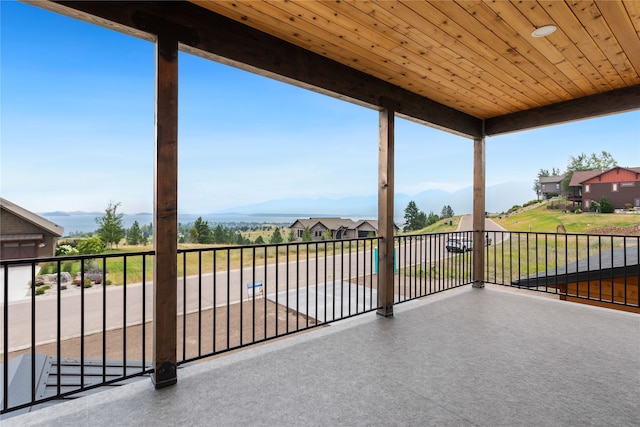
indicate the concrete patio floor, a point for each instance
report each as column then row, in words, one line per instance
column 466, row 357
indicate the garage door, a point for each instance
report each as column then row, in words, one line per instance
column 17, row 250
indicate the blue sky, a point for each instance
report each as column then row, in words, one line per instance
column 77, row 131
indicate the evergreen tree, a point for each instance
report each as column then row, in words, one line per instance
column 134, row 234
column 432, row 218
column 306, row 235
column 111, row 230
column 220, row 235
column 147, row 232
column 276, row 237
column 202, row 231
column 259, row 240
column 412, row 217
column 292, row 235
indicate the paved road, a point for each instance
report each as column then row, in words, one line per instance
column 466, row 224
column 80, row 312
column 128, row 305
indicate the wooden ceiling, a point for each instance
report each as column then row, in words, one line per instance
column 470, row 67
column 476, row 57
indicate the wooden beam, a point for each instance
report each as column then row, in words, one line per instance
column 385, row 212
column 479, row 149
column 165, row 229
column 612, row 102
column 225, row 40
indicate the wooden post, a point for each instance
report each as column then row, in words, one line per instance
column 165, row 214
column 478, row 211
column 385, row 212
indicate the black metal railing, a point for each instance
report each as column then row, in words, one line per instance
column 78, row 322
column 231, row 297
column 596, row 269
column 91, row 315
column 429, row 263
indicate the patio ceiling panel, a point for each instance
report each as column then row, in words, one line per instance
column 476, row 57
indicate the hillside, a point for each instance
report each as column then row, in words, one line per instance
column 543, row 220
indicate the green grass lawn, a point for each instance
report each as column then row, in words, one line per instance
column 543, row 220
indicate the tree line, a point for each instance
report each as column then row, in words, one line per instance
column 415, row 219
column 111, row 231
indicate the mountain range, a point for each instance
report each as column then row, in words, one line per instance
column 499, row 198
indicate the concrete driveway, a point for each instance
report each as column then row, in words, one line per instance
column 19, row 278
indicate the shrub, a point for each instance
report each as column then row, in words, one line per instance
column 94, row 245
column 605, row 206
column 87, row 283
column 628, row 206
column 67, row 266
column 41, row 290
column 47, row 269
column 63, row 250
column 578, row 211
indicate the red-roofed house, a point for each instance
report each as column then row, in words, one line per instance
column 620, row 186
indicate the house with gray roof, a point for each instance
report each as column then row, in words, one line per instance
column 24, row 234
column 340, row 228
column 549, row 186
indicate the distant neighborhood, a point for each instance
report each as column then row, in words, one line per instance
column 620, row 186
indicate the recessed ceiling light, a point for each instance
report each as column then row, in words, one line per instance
column 544, row 31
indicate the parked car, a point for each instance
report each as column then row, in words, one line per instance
column 463, row 244
column 458, row 244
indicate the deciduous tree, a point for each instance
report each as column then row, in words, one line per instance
column 583, row 162
column 447, row 212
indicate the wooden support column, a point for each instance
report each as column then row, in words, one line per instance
column 385, row 212
column 479, row 148
column 165, row 214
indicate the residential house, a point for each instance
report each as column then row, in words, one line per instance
column 23, row 234
column 575, row 185
column 620, row 186
column 340, row 228
column 550, row 186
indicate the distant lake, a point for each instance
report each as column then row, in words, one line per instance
column 85, row 223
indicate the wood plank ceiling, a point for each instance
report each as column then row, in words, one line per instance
column 477, row 57
column 469, row 67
